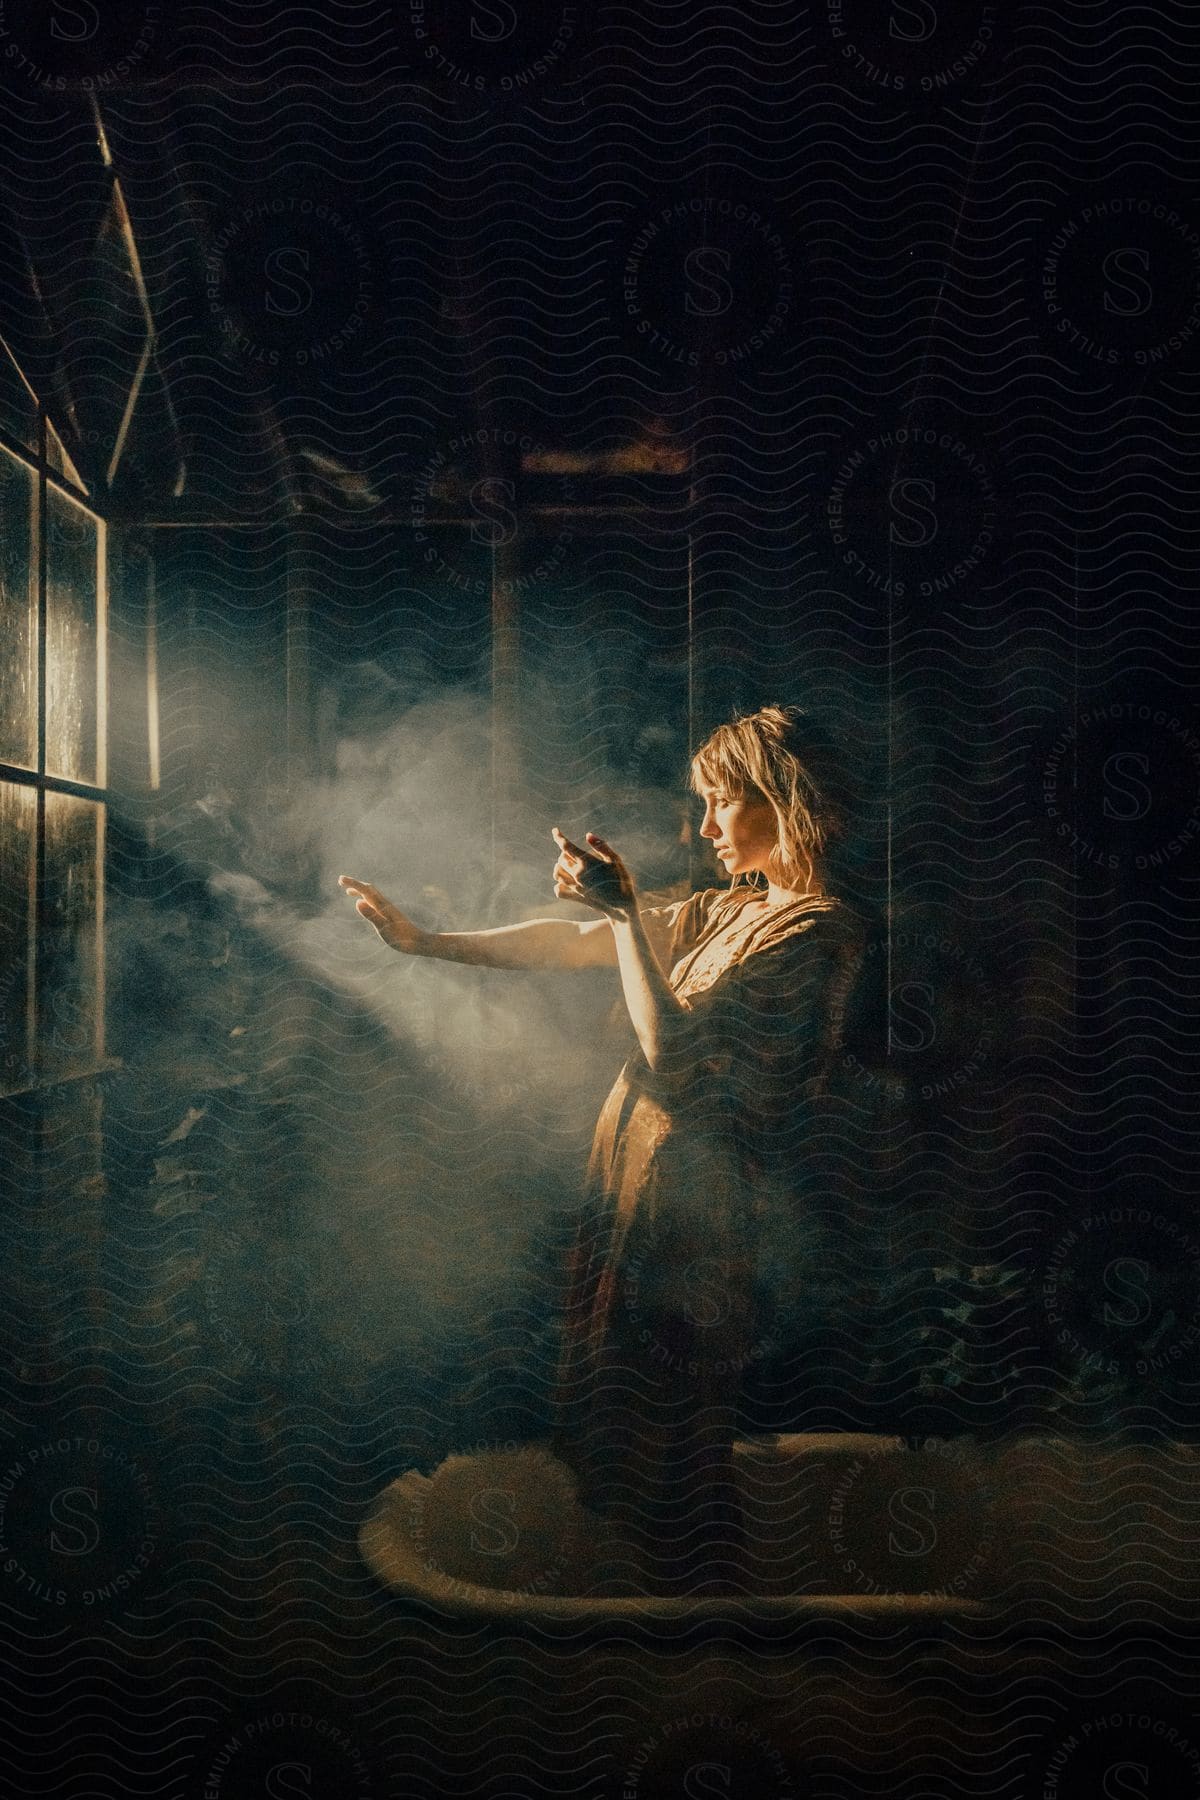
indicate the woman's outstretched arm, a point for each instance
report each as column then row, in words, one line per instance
column 531, row 944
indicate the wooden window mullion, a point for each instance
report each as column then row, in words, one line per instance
column 40, row 565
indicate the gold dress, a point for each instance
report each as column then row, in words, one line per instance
column 659, row 1328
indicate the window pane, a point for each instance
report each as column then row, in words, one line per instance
column 18, row 837
column 18, row 408
column 68, row 972
column 71, row 638
column 18, row 615
column 58, row 459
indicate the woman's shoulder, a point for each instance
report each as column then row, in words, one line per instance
column 825, row 918
column 662, row 902
column 837, row 920
column 701, row 902
column 824, row 923
column 676, row 926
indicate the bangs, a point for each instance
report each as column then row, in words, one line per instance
column 718, row 764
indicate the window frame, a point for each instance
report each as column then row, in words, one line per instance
column 37, row 1070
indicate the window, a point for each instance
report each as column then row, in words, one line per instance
column 53, row 690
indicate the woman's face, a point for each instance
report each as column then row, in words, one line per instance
column 744, row 831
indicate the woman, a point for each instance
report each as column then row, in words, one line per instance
column 734, row 995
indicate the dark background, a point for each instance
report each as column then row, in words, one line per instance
column 525, row 390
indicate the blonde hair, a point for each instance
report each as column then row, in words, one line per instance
column 788, row 758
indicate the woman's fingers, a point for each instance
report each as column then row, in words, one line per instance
column 569, row 889
column 597, row 850
column 352, row 885
column 596, row 845
column 370, row 903
column 571, row 861
column 566, row 844
column 577, row 870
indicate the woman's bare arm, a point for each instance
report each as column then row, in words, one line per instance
column 600, row 878
column 658, row 1015
column 531, row 944
column 547, row 944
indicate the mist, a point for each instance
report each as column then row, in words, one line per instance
column 354, row 1159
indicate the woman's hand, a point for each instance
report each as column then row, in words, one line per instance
column 397, row 931
column 596, row 876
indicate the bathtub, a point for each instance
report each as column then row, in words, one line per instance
column 1031, row 1526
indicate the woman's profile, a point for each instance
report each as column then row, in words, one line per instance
column 734, row 994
